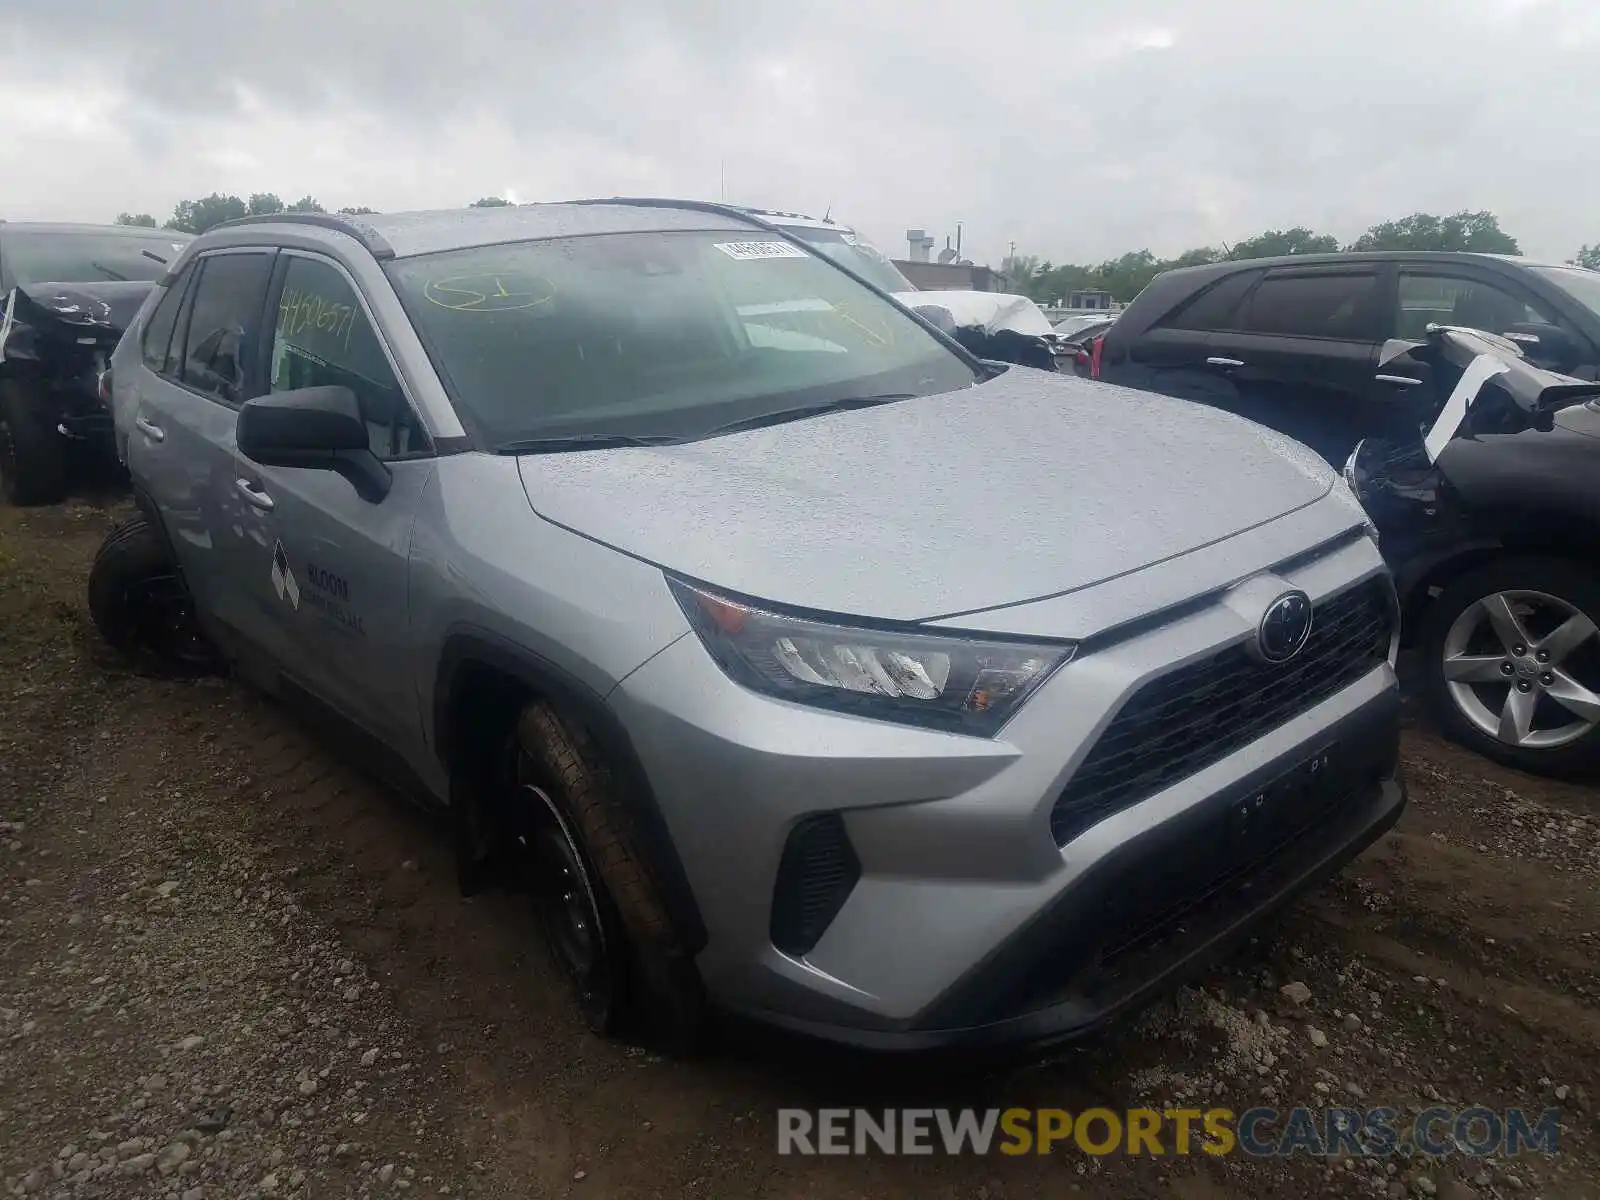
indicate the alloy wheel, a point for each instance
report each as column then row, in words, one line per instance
column 1524, row 668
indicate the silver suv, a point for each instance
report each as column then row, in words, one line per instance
column 797, row 661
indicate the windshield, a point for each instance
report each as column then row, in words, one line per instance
column 1583, row 286
column 69, row 257
column 845, row 248
column 658, row 334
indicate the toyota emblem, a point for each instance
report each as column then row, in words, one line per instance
column 1284, row 627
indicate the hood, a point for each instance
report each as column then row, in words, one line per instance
column 37, row 316
column 988, row 311
column 90, row 307
column 1029, row 485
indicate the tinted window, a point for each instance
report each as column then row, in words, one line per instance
column 223, row 324
column 1582, row 285
column 1340, row 306
column 1213, row 307
column 174, row 364
column 323, row 337
column 659, row 333
column 158, row 329
column 67, row 256
column 1457, row 300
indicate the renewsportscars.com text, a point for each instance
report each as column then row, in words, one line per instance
column 1259, row 1132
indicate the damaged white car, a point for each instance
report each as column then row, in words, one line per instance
column 993, row 325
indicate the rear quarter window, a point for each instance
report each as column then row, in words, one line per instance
column 158, row 329
column 1213, row 307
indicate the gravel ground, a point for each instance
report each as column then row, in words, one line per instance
column 231, row 966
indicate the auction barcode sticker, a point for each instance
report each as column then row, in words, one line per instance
column 749, row 250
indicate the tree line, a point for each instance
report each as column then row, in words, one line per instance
column 197, row 216
column 1124, row 277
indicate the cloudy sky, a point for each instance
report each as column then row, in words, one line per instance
column 1075, row 131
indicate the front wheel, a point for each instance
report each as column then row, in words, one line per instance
column 594, row 902
column 1511, row 655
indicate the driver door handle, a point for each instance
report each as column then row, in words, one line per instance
column 154, row 432
column 252, row 496
column 1223, row 362
column 1398, row 380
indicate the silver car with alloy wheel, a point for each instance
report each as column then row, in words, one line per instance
column 796, row 662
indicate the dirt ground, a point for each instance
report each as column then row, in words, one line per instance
column 230, row 966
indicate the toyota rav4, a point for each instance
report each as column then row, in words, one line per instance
column 800, row 663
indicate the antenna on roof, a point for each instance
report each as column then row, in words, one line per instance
column 827, row 214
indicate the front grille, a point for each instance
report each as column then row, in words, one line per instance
column 1183, row 722
column 815, row 877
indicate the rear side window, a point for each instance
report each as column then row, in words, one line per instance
column 224, row 324
column 158, row 329
column 1342, row 306
column 1213, row 307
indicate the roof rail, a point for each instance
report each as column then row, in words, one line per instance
column 360, row 230
column 746, row 215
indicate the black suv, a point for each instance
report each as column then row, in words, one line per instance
column 66, row 294
column 1294, row 342
column 1488, row 506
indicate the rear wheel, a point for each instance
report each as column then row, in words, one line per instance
column 33, row 457
column 141, row 607
column 1512, row 654
column 595, row 906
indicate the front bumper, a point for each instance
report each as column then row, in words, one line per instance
column 1161, row 908
column 965, row 921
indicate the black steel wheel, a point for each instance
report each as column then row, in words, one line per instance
column 140, row 605
column 575, row 917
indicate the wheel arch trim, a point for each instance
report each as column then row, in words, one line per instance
column 467, row 646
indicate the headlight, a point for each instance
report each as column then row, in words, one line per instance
column 941, row 681
column 1355, row 492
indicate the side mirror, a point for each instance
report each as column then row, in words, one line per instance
column 316, row 428
column 1545, row 345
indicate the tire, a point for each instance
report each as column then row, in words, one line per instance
column 1469, row 647
column 581, row 858
column 33, row 457
column 138, row 602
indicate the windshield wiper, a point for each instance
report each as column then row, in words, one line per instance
column 109, row 273
column 784, row 415
column 154, row 255
column 583, row 441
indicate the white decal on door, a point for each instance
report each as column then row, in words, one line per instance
column 283, row 578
